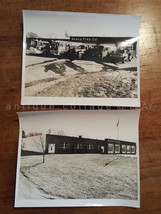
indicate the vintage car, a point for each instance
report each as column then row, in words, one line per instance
column 120, row 56
column 100, row 51
column 80, row 51
column 41, row 48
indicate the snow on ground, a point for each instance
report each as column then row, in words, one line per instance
column 80, row 176
column 79, row 78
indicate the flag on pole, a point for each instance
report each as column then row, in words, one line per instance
column 118, row 129
column 118, row 122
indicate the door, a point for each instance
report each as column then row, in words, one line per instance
column 51, row 149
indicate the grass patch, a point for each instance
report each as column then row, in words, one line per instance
column 84, row 176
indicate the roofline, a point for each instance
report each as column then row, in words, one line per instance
column 91, row 138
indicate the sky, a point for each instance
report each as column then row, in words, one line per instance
column 90, row 124
column 80, row 24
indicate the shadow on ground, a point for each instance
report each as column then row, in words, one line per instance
column 28, row 153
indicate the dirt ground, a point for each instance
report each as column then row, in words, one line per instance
column 52, row 77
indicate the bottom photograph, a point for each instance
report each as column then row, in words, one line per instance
column 74, row 158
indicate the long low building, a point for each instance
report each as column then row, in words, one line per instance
column 59, row 144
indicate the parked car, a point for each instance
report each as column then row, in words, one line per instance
column 121, row 55
column 80, row 51
column 100, row 51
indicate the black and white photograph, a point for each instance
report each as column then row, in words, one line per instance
column 77, row 58
column 78, row 158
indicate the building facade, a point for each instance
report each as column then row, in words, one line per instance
column 59, row 144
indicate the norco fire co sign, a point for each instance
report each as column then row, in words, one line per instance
column 84, row 39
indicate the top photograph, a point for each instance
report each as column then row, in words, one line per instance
column 74, row 58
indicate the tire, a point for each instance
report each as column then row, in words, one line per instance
column 45, row 52
column 123, row 60
column 129, row 57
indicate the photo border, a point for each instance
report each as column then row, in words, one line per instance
column 129, row 26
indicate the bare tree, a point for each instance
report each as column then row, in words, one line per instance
column 32, row 35
column 49, row 131
column 53, row 131
column 52, row 35
column 23, row 140
column 66, row 34
column 61, row 132
column 43, row 146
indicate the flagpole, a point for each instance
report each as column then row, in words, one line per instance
column 118, row 129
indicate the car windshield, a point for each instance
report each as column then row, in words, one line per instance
column 81, row 47
column 120, row 51
column 98, row 47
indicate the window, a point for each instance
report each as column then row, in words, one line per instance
column 51, row 148
column 128, row 149
column 90, row 146
column 102, row 149
column 64, row 146
column 133, row 150
column 110, row 148
column 78, row 146
column 123, row 148
column 117, row 148
column 98, row 147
